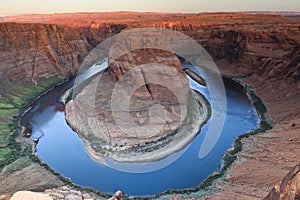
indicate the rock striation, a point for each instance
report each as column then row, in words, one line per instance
column 35, row 52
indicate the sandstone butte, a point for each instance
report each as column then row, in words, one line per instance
column 160, row 105
column 260, row 51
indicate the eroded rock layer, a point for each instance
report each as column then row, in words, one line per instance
column 33, row 52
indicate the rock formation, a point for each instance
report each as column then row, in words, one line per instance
column 64, row 192
column 34, row 52
column 147, row 89
column 117, row 196
column 30, row 195
column 288, row 188
column 143, row 98
column 261, row 51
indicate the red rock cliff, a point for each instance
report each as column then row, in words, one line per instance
column 35, row 51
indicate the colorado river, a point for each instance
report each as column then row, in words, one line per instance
column 61, row 148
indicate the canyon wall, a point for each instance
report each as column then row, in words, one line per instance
column 261, row 47
column 262, row 44
column 31, row 52
column 260, row 51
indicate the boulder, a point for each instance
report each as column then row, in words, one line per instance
column 24, row 195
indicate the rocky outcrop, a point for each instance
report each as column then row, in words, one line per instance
column 143, row 98
column 53, row 194
column 30, row 195
column 144, row 88
column 156, row 83
column 117, row 196
column 68, row 193
column 288, row 188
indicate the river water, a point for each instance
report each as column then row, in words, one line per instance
column 60, row 147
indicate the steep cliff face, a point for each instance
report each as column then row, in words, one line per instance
column 269, row 54
column 243, row 41
column 96, row 33
column 31, row 52
column 269, row 61
column 240, row 39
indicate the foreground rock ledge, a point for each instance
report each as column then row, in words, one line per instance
column 21, row 195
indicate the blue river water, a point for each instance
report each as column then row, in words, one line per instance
column 61, row 148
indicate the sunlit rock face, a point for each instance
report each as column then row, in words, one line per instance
column 30, row 195
column 156, row 89
column 35, row 52
column 288, row 188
